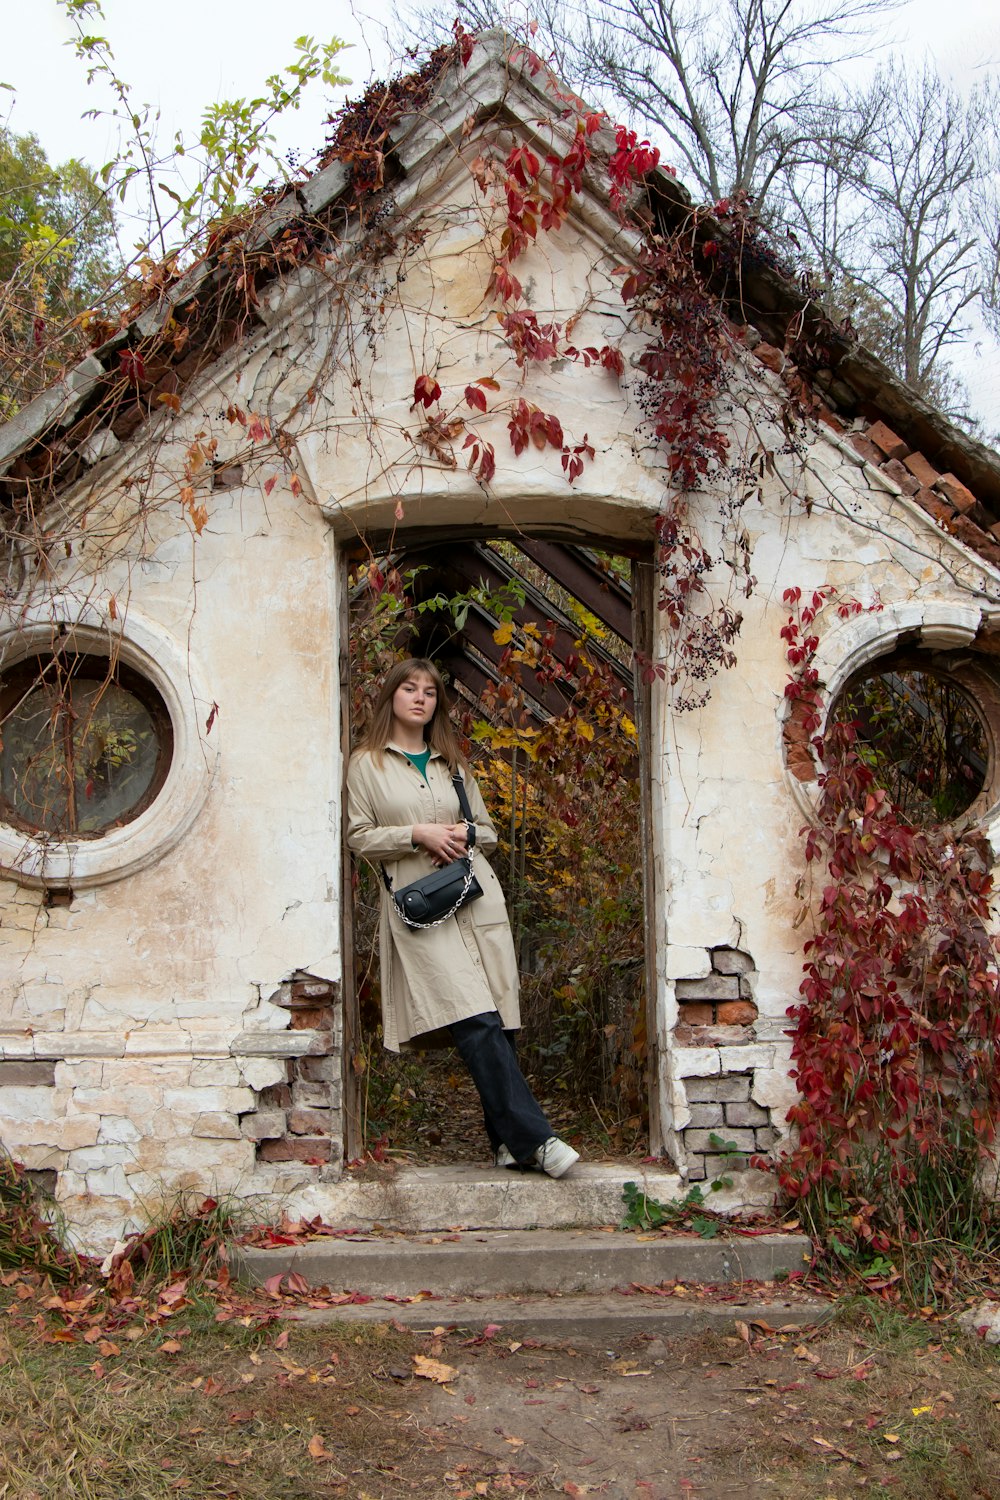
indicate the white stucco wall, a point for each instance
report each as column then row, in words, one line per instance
column 150, row 993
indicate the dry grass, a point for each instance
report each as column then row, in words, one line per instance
column 220, row 1418
column 891, row 1407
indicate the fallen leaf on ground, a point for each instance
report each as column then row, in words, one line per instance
column 433, row 1369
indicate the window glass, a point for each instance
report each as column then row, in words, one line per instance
column 923, row 736
column 85, row 745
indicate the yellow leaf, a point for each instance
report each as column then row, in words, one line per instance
column 891, row 1437
column 504, row 633
column 433, row 1369
column 918, row 1411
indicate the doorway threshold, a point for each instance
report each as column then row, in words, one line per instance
column 414, row 1199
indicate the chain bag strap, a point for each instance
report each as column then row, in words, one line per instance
column 454, row 884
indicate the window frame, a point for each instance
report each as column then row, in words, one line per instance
column 147, row 652
column 17, row 684
column 946, row 629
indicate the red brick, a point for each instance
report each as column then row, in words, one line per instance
column 309, row 1121
column 868, row 450
column 310, row 1018
column 316, row 1069
column 736, row 1013
column 931, row 502
column 697, row 1014
column 312, row 990
column 826, row 415
column 921, row 469
column 955, row 492
column 771, row 357
column 795, row 731
column 303, row 1148
column 275, row 1096
column 189, row 367
column 891, row 443
column 800, row 763
column 901, row 476
column 127, row 419
column 975, row 538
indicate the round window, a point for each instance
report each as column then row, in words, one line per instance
column 86, row 745
column 922, row 733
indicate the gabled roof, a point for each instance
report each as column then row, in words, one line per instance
column 188, row 320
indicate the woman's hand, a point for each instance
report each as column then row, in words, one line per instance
column 443, row 841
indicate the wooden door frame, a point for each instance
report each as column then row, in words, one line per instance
column 643, row 618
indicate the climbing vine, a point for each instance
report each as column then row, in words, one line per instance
column 684, row 370
column 896, row 1036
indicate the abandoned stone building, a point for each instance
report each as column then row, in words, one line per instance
column 178, row 996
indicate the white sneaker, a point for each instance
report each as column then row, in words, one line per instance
column 502, row 1157
column 555, row 1158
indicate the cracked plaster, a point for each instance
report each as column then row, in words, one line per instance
column 189, row 950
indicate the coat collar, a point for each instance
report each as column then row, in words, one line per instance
column 435, row 754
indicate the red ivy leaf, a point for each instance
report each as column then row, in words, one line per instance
column 132, row 365
column 523, row 165
column 465, row 41
column 475, row 397
column 425, row 390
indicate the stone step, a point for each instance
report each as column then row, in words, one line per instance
column 488, row 1262
column 472, row 1197
column 603, row 1318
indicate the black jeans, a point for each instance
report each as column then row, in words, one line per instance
column 510, row 1109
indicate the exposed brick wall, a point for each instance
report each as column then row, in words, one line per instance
column 299, row 1119
column 951, row 504
column 718, row 1010
column 944, row 497
column 723, row 1107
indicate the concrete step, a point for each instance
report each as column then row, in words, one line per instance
column 489, row 1262
column 603, row 1319
column 462, row 1196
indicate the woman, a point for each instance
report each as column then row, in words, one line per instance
column 459, row 979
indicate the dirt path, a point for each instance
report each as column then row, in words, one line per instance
column 217, row 1404
column 646, row 1420
column 832, row 1414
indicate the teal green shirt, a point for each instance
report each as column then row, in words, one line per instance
column 420, row 761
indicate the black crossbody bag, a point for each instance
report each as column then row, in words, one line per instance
column 434, row 898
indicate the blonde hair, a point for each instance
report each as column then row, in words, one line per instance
column 439, row 734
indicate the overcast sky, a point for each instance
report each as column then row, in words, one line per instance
column 184, row 54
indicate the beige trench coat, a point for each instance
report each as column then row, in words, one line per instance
column 467, row 965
